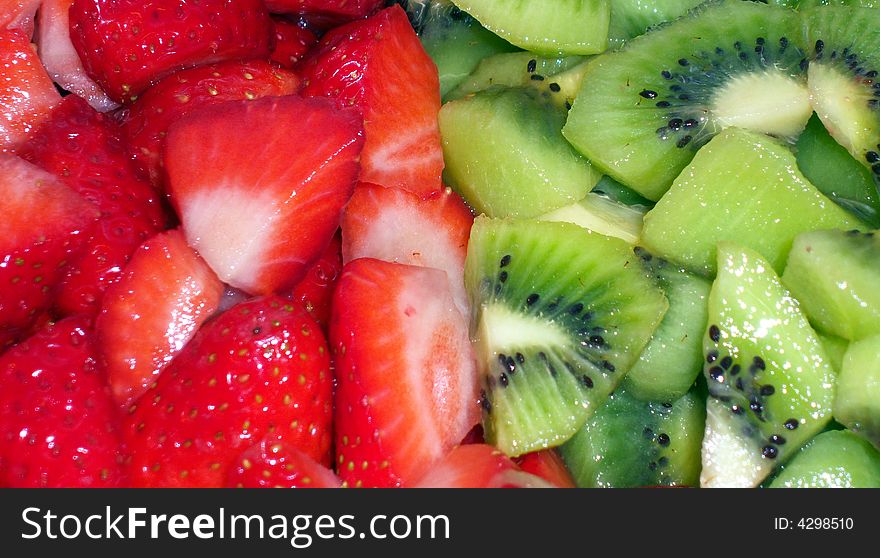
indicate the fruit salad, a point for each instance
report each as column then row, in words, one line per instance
column 433, row 243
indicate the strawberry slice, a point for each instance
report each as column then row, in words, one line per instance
column 397, row 226
column 58, row 424
column 164, row 296
column 315, row 291
column 126, row 45
column 60, row 58
column 18, row 14
column 42, row 227
column 148, row 119
column 272, row 464
column 547, row 465
column 379, row 66
column 406, row 378
column 325, row 14
column 82, row 148
column 260, row 185
column 292, row 41
column 27, row 95
column 260, row 369
column 478, row 466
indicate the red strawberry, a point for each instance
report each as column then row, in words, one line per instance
column 315, row 291
column 272, row 464
column 260, row 185
column 546, row 464
column 478, row 466
column 126, row 45
column 406, row 378
column 260, row 369
column 379, row 66
column 27, row 95
column 397, row 226
column 60, row 58
column 82, row 148
column 148, row 119
column 18, row 14
column 42, row 227
column 325, row 13
column 58, row 424
column 292, row 41
column 164, row 295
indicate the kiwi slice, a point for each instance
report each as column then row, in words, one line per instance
column 506, row 155
column 612, row 189
column 566, row 27
column 834, row 275
column 837, row 459
column 453, row 39
column 632, row 443
column 631, row 18
column 831, row 168
column 556, row 79
column 560, row 314
column 673, row 359
column 814, row 3
column 770, row 384
column 857, row 404
column 643, row 111
column 602, row 215
column 745, row 187
column 835, row 348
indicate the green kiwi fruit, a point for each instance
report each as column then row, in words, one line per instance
column 857, row 403
column 836, row 459
column 631, row 18
column 602, row 215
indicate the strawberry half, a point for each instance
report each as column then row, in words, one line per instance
column 82, row 148
column 126, row 45
column 325, row 13
column 292, row 41
column 260, row 185
column 164, row 296
column 379, row 66
column 398, row 226
column 147, row 119
column 546, row 464
column 60, row 58
column 58, row 424
column 18, row 14
column 406, row 378
column 478, row 466
column 27, row 95
column 261, row 369
column 272, row 464
column 315, row 292
column 42, row 227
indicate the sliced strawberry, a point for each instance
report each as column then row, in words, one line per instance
column 148, row 119
column 164, row 296
column 292, row 41
column 379, row 66
column 325, row 13
column 260, row 185
column 58, row 424
column 126, row 45
column 82, row 148
column 406, row 379
column 398, row 226
column 260, row 369
column 478, row 466
column 43, row 225
column 18, row 14
column 60, row 58
column 547, row 464
column 272, row 464
column 315, row 291
column 27, row 95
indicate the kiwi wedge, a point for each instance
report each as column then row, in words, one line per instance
column 834, row 275
column 565, row 27
column 612, row 189
column 844, row 66
column 745, row 187
column 631, row 18
column 835, row 347
column 771, row 386
column 836, row 459
column 632, row 443
column 602, row 215
column 560, row 314
column 644, row 111
column 506, row 156
column 857, row 404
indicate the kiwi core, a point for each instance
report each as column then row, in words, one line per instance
column 770, row 102
column 501, row 328
column 842, row 105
